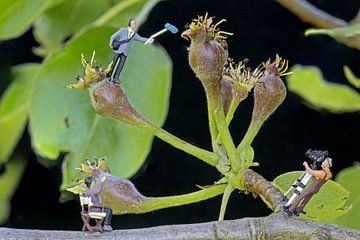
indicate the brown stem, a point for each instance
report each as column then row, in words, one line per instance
column 258, row 185
column 311, row 14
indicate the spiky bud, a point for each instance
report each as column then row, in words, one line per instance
column 208, row 49
column 270, row 92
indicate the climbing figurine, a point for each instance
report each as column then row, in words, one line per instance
column 319, row 172
column 121, row 41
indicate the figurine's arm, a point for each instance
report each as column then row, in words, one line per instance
column 115, row 35
column 139, row 38
column 319, row 174
column 98, row 189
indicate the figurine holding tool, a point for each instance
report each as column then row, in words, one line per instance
column 121, row 41
column 319, row 172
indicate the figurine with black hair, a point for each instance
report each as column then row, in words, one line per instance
column 92, row 208
column 121, row 42
column 319, row 172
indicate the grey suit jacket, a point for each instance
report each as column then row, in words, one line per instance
column 122, row 34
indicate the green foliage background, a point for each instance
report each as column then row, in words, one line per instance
column 62, row 121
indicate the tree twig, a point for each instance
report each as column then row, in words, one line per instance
column 275, row 226
column 311, row 14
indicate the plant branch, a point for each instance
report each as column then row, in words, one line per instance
column 275, row 226
column 208, row 157
column 310, row 14
column 154, row 203
column 258, row 185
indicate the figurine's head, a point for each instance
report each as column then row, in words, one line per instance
column 327, row 163
column 132, row 24
column 88, row 181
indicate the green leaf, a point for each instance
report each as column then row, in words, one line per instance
column 326, row 205
column 353, row 80
column 69, row 17
column 14, row 108
column 62, row 120
column 308, row 83
column 17, row 16
column 349, row 35
column 350, row 178
column 9, row 181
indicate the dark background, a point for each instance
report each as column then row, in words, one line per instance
column 262, row 28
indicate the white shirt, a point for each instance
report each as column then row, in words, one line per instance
column 131, row 33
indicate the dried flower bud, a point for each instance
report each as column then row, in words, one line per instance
column 271, row 91
column 242, row 79
column 208, row 49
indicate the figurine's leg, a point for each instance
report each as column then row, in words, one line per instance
column 311, row 191
column 107, row 220
column 119, row 68
column 114, row 60
column 297, row 200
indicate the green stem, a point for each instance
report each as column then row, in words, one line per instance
column 252, row 131
column 154, row 203
column 233, row 106
column 208, row 157
column 212, row 123
column 223, row 128
column 225, row 199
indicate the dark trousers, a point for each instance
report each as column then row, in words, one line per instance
column 108, row 217
column 117, row 65
column 304, row 197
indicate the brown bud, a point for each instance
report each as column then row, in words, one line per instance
column 207, row 52
column 269, row 93
column 111, row 101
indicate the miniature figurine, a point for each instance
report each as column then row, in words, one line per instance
column 92, row 208
column 121, row 41
column 295, row 205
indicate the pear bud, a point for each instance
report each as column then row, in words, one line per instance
column 269, row 93
column 208, row 49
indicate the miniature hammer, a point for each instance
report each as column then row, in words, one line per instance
column 167, row 27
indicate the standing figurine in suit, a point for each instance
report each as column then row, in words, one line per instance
column 121, row 41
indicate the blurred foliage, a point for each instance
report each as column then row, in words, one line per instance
column 308, row 83
column 328, row 204
column 65, row 29
column 9, row 181
column 14, row 108
column 350, row 178
column 353, row 80
column 349, row 35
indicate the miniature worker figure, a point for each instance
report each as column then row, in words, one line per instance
column 121, row 42
column 319, row 178
column 93, row 192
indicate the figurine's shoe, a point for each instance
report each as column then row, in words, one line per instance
column 107, row 228
column 287, row 211
column 116, row 81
